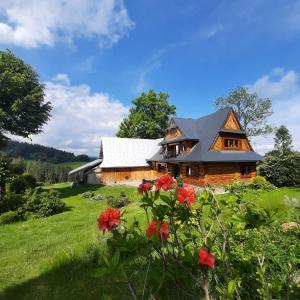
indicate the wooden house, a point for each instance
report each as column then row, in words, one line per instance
column 212, row 149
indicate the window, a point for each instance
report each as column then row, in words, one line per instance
column 161, row 167
column 173, row 131
column 188, row 171
column 192, row 170
column 245, row 170
column 182, row 147
column 231, row 143
column 176, row 150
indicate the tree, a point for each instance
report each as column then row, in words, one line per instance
column 148, row 118
column 4, row 172
column 283, row 140
column 23, row 110
column 251, row 110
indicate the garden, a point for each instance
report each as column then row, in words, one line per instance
column 163, row 241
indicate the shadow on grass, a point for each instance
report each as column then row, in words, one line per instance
column 68, row 280
column 68, row 191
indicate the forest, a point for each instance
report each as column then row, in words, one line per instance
column 29, row 151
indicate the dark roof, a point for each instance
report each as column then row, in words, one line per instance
column 206, row 129
column 177, row 139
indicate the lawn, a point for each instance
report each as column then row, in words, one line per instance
column 54, row 257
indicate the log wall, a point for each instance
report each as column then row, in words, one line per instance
column 114, row 175
column 216, row 174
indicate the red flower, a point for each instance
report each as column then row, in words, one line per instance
column 186, row 194
column 152, row 228
column 165, row 182
column 144, row 187
column 162, row 229
column 205, row 258
column 109, row 219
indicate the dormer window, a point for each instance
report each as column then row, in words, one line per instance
column 232, row 143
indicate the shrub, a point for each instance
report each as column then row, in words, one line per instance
column 260, row 183
column 87, row 195
column 17, row 185
column 198, row 247
column 42, row 203
column 22, row 182
column 282, row 170
column 98, row 197
column 10, row 201
column 30, row 181
column 9, row 217
column 119, row 202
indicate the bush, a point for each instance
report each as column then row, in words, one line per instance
column 282, row 170
column 199, row 247
column 9, row 217
column 30, row 181
column 10, row 201
column 119, row 202
column 42, row 203
column 260, row 183
column 22, row 182
column 87, row 195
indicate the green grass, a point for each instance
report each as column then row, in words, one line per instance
column 54, row 257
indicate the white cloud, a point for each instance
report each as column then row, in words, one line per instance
column 79, row 118
column 283, row 88
column 63, row 78
column 34, row 22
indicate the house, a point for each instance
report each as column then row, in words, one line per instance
column 120, row 159
column 212, row 149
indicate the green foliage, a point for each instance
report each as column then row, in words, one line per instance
column 242, row 237
column 9, row 217
column 283, row 140
column 10, row 201
column 260, row 183
column 5, row 172
column 42, row 153
column 22, row 182
column 23, row 110
column 118, row 202
column 47, row 172
column 251, row 110
column 87, row 195
column 282, row 170
column 41, row 203
column 148, row 118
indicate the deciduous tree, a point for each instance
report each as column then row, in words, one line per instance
column 251, row 110
column 23, row 110
column 283, row 140
column 149, row 116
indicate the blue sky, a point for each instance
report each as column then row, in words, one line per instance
column 95, row 57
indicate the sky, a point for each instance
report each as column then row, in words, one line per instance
column 96, row 56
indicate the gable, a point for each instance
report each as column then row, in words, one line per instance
column 243, row 144
column 173, row 131
column 232, row 123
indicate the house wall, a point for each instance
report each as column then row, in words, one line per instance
column 112, row 175
column 216, row 173
column 224, row 173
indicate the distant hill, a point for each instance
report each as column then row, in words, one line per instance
column 38, row 152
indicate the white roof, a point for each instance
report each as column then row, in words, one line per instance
column 124, row 152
